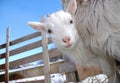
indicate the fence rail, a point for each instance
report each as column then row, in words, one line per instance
column 32, row 71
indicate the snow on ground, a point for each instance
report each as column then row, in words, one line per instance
column 58, row 78
column 100, row 78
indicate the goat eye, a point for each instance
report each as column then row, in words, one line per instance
column 49, row 31
column 71, row 21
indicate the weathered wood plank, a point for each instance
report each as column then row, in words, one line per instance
column 36, row 34
column 25, row 48
column 71, row 77
column 52, row 53
column 39, row 81
column 36, row 81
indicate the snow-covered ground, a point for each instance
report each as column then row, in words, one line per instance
column 58, row 78
column 101, row 78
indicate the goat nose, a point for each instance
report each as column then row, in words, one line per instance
column 66, row 39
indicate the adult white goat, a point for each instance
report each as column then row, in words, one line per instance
column 61, row 27
column 98, row 24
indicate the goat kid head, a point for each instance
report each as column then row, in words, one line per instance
column 60, row 26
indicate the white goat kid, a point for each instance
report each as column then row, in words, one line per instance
column 61, row 27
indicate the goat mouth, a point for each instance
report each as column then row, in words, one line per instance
column 68, row 45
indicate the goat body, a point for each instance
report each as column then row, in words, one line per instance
column 98, row 25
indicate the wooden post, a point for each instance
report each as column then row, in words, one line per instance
column 7, row 56
column 45, row 56
column 71, row 77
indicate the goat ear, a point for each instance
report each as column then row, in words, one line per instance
column 37, row 25
column 72, row 7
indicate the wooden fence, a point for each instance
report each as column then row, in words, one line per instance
column 27, row 72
